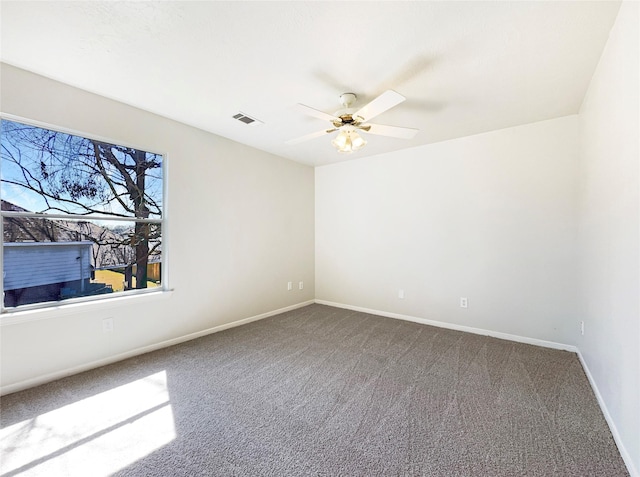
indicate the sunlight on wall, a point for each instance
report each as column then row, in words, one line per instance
column 95, row 436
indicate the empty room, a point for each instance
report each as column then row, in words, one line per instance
column 320, row 238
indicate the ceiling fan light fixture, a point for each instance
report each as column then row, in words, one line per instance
column 357, row 141
column 348, row 141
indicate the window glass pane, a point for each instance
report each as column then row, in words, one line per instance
column 53, row 172
column 51, row 259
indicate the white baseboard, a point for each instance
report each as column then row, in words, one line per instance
column 612, row 426
column 452, row 326
column 520, row 339
column 37, row 381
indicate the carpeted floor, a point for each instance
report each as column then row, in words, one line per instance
column 317, row 391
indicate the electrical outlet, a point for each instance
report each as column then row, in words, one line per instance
column 289, row 286
column 107, row 325
column 463, row 302
column 582, row 328
column 300, row 285
column 401, row 294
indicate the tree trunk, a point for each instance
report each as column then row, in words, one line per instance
column 142, row 254
column 141, row 229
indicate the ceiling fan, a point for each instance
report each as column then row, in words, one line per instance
column 349, row 121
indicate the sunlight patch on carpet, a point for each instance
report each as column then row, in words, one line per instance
column 96, row 436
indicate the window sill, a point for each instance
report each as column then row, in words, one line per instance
column 8, row 318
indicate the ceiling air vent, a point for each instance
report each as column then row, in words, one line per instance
column 246, row 119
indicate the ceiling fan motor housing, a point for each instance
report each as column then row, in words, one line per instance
column 346, row 119
column 346, row 114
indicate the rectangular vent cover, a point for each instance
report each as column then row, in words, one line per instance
column 246, row 119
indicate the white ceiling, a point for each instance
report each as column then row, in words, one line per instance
column 464, row 67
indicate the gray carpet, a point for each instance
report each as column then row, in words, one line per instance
column 318, row 391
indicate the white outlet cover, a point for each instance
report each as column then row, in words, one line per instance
column 107, row 325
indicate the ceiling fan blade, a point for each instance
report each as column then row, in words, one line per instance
column 382, row 103
column 392, row 131
column 309, row 136
column 316, row 113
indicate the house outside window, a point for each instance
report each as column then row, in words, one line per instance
column 82, row 218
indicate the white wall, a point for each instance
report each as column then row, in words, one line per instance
column 609, row 227
column 490, row 217
column 240, row 225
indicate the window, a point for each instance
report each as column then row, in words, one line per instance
column 82, row 219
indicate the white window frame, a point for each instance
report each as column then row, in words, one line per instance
column 6, row 312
